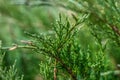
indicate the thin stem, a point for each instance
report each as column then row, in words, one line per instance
column 16, row 46
column 67, row 68
column 55, row 70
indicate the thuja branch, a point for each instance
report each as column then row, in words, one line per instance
column 50, row 54
column 69, row 70
column 53, row 46
column 116, row 72
column 17, row 46
column 71, row 30
column 115, row 29
column 55, row 70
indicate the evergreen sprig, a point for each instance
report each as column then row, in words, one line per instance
column 64, row 48
column 5, row 72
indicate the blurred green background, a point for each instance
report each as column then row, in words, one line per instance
column 17, row 18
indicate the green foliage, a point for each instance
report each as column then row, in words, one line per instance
column 63, row 47
column 5, row 72
column 14, row 20
column 84, row 45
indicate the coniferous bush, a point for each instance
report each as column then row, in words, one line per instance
column 83, row 44
column 67, row 57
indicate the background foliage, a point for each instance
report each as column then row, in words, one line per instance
column 83, row 43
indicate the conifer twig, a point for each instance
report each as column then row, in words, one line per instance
column 116, row 72
column 69, row 70
column 17, row 46
column 55, row 70
column 115, row 29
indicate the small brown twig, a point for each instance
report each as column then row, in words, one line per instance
column 115, row 29
column 55, row 70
